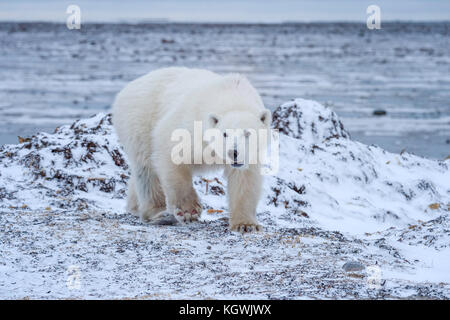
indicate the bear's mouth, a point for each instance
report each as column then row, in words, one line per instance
column 236, row 165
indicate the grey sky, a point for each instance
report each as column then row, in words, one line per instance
column 224, row 11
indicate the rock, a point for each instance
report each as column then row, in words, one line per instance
column 168, row 41
column 309, row 121
column 379, row 112
column 165, row 219
column 352, row 266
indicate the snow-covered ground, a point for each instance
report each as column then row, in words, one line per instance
column 50, row 75
column 341, row 220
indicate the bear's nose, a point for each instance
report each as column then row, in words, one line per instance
column 233, row 154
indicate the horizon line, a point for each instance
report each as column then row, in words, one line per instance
column 168, row 21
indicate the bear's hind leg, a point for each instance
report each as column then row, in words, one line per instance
column 132, row 200
column 149, row 193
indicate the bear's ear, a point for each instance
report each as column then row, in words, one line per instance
column 266, row 117
column 213, row 120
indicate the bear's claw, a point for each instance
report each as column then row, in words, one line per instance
column 246, row 228
column 186, row 217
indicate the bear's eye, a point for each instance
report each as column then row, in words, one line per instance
column 225, row 135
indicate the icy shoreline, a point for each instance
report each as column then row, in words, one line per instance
column 334, row 200
column 50, row 76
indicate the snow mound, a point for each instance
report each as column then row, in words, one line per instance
column 346, row 185
column 71, row 168
column 308, row 120
column 360, row 201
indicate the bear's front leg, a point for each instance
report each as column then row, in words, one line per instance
column 182, row 200
column 244, row 190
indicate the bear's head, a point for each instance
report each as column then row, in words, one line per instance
column 244, row 136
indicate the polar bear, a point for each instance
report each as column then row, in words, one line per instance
column 148, row 110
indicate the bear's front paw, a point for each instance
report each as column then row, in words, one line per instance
column 187, row 216
column 246, row 227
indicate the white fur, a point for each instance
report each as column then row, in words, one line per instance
column 146, row 112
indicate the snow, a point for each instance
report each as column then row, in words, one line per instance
column 333, row 200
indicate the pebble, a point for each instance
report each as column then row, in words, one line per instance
column 353, row 266
column 379, row 112
column 165, row 220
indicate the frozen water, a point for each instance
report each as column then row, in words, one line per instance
column 50, row 75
